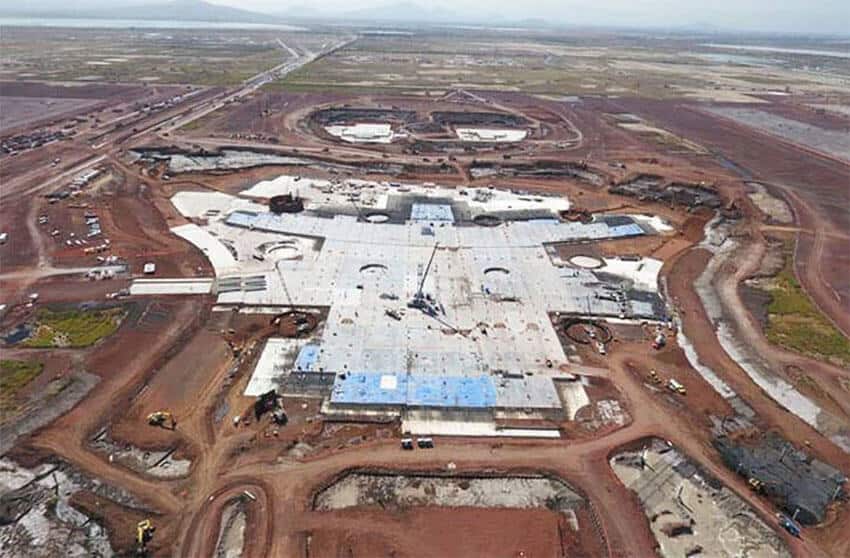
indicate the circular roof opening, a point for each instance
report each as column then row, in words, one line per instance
column 295, row 323
column 491, row 271
column 284, row 252
column 373, row 269
column 586, row 331
column 377, row 217
column 587, row 262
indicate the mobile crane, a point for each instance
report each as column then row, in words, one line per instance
column 420, row 300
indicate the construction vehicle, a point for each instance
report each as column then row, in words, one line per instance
column 233, row 343
column 789, row 525
column 144, row 534
column 265, row 402
column 643, row 462
column 279, row 416
column 235, row 348
column 676, row 387
column 654, row 377
column 755, row 484
column 161, row 418
column 420, row 300
column 270, row 401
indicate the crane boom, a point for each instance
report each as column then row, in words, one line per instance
column 427, row 269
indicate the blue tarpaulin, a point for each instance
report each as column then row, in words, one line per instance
column 373, row 388
column 307, row 357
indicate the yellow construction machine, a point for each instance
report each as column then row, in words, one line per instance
column 163, row 419
column 144, row 533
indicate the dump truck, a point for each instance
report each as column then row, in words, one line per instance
column 676, row 387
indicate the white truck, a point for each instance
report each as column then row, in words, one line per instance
column 676, row 387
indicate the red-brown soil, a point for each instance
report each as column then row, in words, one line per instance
column 172, row 357
column 445, row 532
column 817, row 188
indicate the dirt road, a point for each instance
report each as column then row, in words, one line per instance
column 816, row 186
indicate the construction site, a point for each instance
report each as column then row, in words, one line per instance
column 258, row 319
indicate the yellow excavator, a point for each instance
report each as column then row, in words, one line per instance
column 162, row 419
column 144, row 533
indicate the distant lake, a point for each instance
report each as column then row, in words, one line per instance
column 136, row 23
column 781, row 50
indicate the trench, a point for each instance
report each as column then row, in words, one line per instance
column 390, row 489
column 723, row 246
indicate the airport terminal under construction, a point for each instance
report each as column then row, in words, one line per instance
column 430, row 311
column 276, row 318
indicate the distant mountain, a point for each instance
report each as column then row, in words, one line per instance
column 305, row 11
column 404, row 13
column 401, row 11
column 187, row 10
column 699, row 27
column 175, row 10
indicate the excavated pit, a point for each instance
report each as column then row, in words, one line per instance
column 363, row 488
column 346, row 115
column 647, row 187
column 296, row 323
column 538, row 169
column 456, row 118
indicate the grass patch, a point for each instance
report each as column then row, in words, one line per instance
column 180, row 56
column 14, row 376
column 73, row 328
column 196, row 124
column 796, row 323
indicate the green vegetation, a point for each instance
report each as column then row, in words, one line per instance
column 795, row 323
column 73, row 328
column 535, row 63
column 14, row 376
column 214, row 58
column 297, row 84
column 531, row 64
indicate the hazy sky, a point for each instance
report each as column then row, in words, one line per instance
column 803, row 16
column 831, row 16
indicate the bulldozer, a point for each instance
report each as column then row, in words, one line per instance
column 162, row 419
column 144, row 534
column 756, row 485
